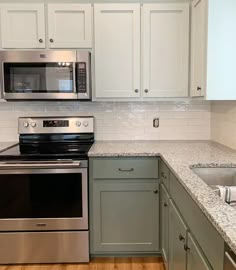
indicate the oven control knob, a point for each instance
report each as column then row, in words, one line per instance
column 33, row 124
column 78, row 123
column 85, row 123
column 26, row 124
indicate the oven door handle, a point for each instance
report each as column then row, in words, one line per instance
column 39, row 165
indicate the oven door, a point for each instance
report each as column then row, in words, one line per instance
column 44, row 198
column 39, row 74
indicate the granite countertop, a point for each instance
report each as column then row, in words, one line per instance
column 6, row 145
column 180, row 156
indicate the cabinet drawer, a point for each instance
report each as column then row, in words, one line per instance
column 114, row 168
column 208, row 238
column 165, row 174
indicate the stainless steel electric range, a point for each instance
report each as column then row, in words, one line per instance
column 44, row 192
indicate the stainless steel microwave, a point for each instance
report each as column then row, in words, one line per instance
column 41, row 75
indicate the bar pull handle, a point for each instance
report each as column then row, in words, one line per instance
column 126, row 170
column 41, row 224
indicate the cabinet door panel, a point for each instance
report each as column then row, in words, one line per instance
column 177, row 229
column 164, row 229
column 117, row 50
column 165, row 50
column 23, row 26
column 195, row 258
column 125, row 216
column 70, row 25
column 198, row 57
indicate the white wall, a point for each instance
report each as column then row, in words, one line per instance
column 182, row 120
column 223, row 123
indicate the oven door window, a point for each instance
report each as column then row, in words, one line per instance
column 38, row 77
column 41, row 196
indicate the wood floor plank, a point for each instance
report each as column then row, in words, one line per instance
column 134, row 263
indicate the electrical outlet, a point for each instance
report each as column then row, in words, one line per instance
column 156, row 122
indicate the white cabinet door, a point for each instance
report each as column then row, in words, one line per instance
column 198, row 57
column 69, row 26
column 117, row 50
column 23, row 26
column 165, row 50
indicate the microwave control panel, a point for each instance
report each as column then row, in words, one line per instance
column 82, row 77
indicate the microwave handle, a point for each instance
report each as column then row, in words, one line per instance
column 75, row 77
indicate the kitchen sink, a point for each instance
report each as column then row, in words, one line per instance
column 217, row 176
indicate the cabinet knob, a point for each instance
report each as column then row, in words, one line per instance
column 186, row 248
column 51, row 40
column 181, row 238
column 40, row 40
column 165, row 204
column 199, row 88
column 136, row 90
column 163, row 175
column 155, row 191
column 146, row 90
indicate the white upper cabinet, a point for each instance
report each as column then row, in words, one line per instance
column 69, row 26
column 117, row 50
column 22, row 25
column 165, row 50
column 164, row 70
column 198, row 58
column 213, row 49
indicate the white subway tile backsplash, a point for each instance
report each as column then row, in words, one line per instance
column 179, row 120
column 223, row 123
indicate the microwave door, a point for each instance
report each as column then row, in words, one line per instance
column 52, row 80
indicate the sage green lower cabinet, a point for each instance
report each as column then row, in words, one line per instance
column 125, row 216
column 124, row 206
column 164, row 225
column 195, row 258
column 177, row 239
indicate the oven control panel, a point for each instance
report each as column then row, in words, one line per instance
column 56, row 125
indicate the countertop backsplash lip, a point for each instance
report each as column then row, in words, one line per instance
column 213, row 165
column 180, row 156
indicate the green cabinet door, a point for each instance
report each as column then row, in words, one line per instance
column 164, row 225
column 125, row 216
column 177, row 239
column 195, row 258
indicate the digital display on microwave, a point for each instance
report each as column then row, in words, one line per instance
column 56, row 123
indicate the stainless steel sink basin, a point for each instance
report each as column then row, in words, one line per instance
column 217, row 176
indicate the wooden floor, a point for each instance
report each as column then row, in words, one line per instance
column 97, row 264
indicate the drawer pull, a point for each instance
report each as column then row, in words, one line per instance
column 165, row 204
column 155, row 191
column 126, row 170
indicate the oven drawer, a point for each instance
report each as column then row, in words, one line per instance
column 44, row 247
column 123, row 168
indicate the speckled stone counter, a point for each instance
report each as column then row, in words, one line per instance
column 180, row 156
column 6, row 145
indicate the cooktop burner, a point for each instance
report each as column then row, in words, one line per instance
column 15, row 154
